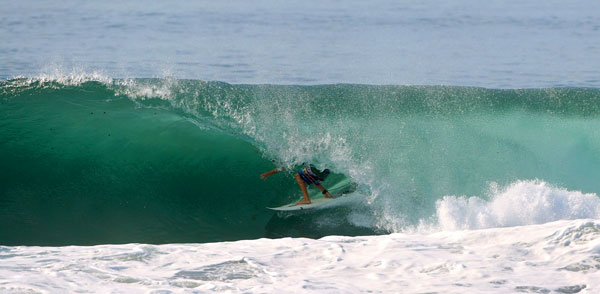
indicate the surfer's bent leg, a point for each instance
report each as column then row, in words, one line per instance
column 302, row 185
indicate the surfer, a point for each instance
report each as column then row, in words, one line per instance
column 305, row 176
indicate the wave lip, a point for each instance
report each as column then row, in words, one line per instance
column 521, row 203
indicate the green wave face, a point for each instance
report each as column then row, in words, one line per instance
column 160, row 161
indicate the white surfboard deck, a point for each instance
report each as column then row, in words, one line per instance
column 337, row 190
column 314, row 203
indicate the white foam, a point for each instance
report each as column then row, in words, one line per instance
column 520, row 203
column 553, row 257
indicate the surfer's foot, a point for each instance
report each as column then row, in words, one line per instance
column 328, row 196
column 303, row 202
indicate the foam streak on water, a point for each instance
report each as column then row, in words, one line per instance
column 557, row 257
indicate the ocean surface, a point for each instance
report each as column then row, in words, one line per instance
column 133, row 135
column 507, row 44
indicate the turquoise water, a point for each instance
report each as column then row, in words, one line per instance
column 162, row 160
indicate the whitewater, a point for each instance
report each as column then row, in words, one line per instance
column 556, row 257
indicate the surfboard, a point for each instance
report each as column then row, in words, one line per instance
column 336, row 190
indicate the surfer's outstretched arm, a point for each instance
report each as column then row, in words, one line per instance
column 271, row 172
column 324, row 191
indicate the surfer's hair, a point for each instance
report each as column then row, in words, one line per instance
column 326, row 171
